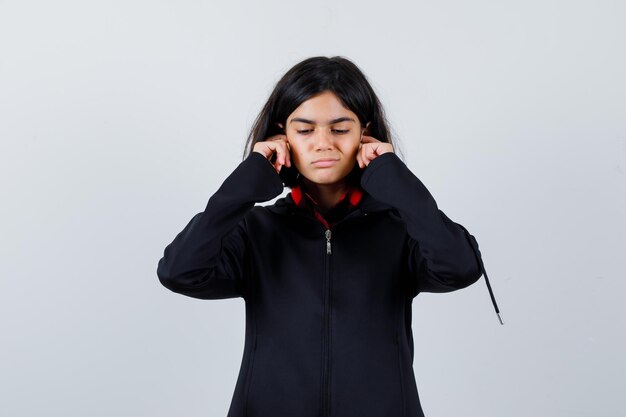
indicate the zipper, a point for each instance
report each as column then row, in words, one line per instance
column 326, row 343
column 328, row 248
column 325, row 388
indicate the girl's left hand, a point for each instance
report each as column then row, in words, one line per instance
column 370, row 148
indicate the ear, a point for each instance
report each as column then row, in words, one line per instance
column 280, row 125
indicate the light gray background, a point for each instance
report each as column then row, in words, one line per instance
column 119, row 119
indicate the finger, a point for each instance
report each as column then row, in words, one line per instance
column 362, row 158
column 275, row 154
column 368, row 154
column 269, row 150
column 277, row 164
column 285, row 151
column 281, row 155
column 369, row 139
column 276, row 138
column 371, row 153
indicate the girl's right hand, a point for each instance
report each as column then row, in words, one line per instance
column 278, row 146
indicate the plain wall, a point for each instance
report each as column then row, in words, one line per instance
column 119, row 119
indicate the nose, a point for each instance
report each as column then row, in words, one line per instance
column 323, row 140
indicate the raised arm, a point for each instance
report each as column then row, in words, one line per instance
column 443, row 256
column 206, row 259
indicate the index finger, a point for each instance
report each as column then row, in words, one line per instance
column 277, row 137
column 369, row 139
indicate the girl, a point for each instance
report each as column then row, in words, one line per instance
column 329, row 272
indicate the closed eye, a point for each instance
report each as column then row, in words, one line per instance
column 341, row 132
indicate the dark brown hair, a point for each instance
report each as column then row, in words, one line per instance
column 311, row 77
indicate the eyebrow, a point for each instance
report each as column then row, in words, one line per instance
column 312, row 122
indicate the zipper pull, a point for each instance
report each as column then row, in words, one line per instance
column 328, row 251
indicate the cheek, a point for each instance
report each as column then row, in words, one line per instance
column 353, row 147
column 297, row 156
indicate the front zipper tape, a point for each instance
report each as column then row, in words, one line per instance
column 328, row 248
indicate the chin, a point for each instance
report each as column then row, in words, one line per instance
column 326, row 179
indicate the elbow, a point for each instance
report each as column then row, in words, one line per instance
column 466, row 274
column 459, row 281
column 203, row 284
column 469, row 276
column 166, row 276
column 468, row 269
column 450, row 280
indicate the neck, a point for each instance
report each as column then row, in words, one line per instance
column 326, row 195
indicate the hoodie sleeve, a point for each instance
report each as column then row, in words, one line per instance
column 206, row 259
column 443, row 256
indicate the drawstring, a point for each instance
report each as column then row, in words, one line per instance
column 474, row 246
column 493, row 299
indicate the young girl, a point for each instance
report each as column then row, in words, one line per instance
column 329, row 272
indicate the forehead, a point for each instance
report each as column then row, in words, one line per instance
column 325, row 108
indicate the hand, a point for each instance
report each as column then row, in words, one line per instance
column 275, row 146
column 370, row 148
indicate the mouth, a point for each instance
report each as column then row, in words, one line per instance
column 325, row 162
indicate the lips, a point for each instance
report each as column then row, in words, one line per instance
column 325, row 162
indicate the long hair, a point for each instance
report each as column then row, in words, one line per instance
column 308, row 78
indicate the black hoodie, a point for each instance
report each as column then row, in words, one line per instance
column 328, row 310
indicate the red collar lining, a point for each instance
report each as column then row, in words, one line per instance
column 307, row 202
column 355, row 194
